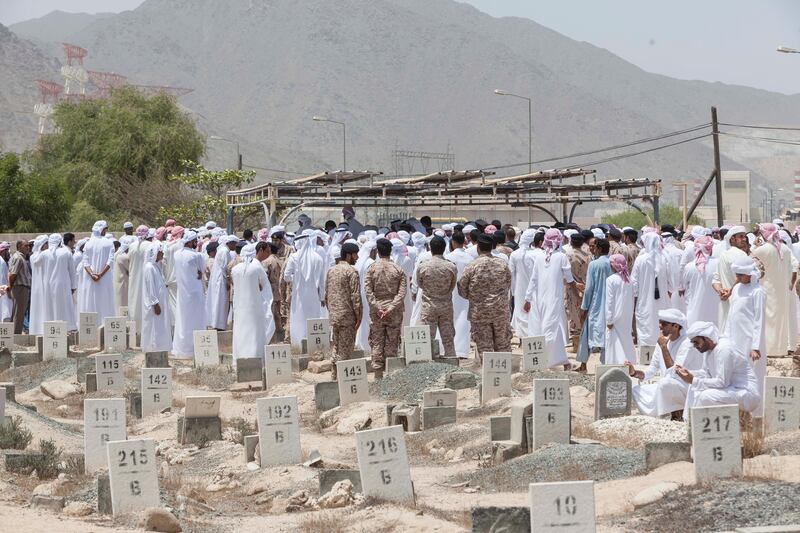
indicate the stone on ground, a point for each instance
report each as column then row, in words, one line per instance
column 341, row 495
column 77, row 509
column 157, row 519
column 653, row 494
column 58, row 389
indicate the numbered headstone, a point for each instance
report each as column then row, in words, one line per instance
column 54, row 340
column 383, row 464
column 551, row 412
column 132, row 333
column 156, row 390
column 88, row 336
column 124, row 312
column 7, row 335
column 2, row 404
column 278, row 363
column 716, row 444
column 646, row 354
column 115, row 331
column 318, row 334
column 781, row 404
column 202, row 406
column 533, row 356
column 110, row 372
column 495, row 375
column 417, row 343
column 565, row 507
column 132, row 475
column 439, row 398
column 206, row 348
column 103, row 421
column 279, row 431
column 353, row 385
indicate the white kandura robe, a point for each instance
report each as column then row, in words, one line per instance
column 121, row 262
column 305, row 270
column 725, row 277
column 673, row 256
column 62, row 282
column 668, row 394
column 416, row 292
column 745, row 327
column 190, row 315
column 217, row 302
column 619, row 315
column 168, row 269
column 362, row 335
column 727, row 377
column 6, row 305
column 136, row 253
column 155, row 328
column 40, row 272
column 548, row 316
column 406, row 262
column 649, row 266
column 702, row 301
column 253, row 323
column 77, row 267
column 461, row 258
column 98, row 296
column 776, row 281
column 520, row 263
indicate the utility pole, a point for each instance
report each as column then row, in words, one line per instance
column 239, row 166
column 717, row 169
column 685, row 186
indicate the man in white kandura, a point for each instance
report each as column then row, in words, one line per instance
column 461, row 258
column 98, row 288
column 253, row 323
column 618, row 312
column 735, row 243
column 667, row 395
column 702, row 301
column 727, row 377
column 217, row 303
column 190, row 312
column 62, row 283
column 520, row 263
column 136, row 252
column 305, row 270
column 155, row 303
column 778, row 280
column 650, row 288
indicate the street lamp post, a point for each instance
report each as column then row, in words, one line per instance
column 787, row 50
column 344, row 138
column 238, row 152
column 530, row 125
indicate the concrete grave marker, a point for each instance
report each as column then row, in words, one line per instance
column 115, row 333
column 646, row 354
column 318, row 333
column 88, row 334
column 202, row 406
column 352, row 377
column 613, row 394
column 206, row 348
column 132, row 475
column 278, row 363
column 103, row 421
column 279, row 431
column 551, row 412
column 110, row 373
column 383, row 464
column 54, row 340
column 156, row 390
column 495, row 376
column 781, row 404
column 533, row 356
column 7, row 335
column 716, row 443
column 132, row 333
column 417, row 343
column 566, row 507
column 439, row 398
column 201, row 422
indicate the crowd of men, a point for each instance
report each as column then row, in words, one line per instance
column 712, row 303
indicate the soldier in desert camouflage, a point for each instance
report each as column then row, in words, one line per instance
column 437, row 279
column 385, row 285
column 343, row 298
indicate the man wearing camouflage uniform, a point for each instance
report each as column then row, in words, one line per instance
column 273, row 269
column 486, row 283
column 343, row 295
column 579, row 258
column 385, row 286
column 277, row 235
column 437, row 279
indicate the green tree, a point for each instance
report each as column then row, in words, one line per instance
column 30, row 202
column 205, row 190
column 633, row 218
column 115, row 154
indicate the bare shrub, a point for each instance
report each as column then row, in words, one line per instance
column 14, row 436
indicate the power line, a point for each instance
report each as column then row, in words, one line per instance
column 281, row 171
column 608, row 148
column 793, row 142
column 632, row 154
column 752, row 126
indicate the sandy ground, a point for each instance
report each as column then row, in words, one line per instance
column 442, row 505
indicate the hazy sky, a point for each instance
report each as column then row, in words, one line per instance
column 732, row 41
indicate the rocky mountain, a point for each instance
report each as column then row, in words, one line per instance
column 412, row 74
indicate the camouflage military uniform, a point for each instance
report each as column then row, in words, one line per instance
column 207, row 273
column 437, row 279
column 343, row 296
column 486, row 283
column 385, row 285
column 615, row 247
column 284, row 295
column 579, row 262
column 631, row 253
column 273, row 269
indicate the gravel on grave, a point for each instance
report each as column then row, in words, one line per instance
column 785, row 443
column 408, row 384
column 721, row 506
column 640, row 429
column 558, row 462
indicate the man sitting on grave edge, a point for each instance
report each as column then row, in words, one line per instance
column 727, row 376
column 668, row 395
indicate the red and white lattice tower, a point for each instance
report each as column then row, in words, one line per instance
column 105, row 82
column 74, row 74
column 44, row 109
column 797, row 189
